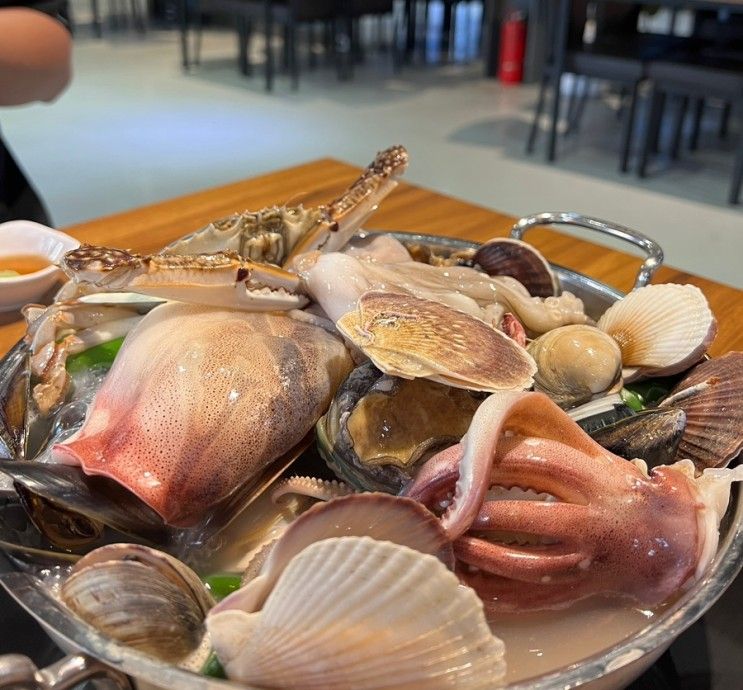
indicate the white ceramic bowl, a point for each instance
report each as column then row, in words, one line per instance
column 26, row 237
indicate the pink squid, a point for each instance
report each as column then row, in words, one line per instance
column 608, row 527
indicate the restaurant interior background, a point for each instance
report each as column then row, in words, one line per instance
column 136, row 126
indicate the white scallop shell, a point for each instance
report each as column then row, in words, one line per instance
column 352, row 612
column 663, row 329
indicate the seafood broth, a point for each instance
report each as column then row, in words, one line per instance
column 21, row 264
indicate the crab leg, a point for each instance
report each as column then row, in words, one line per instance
column 344, row 216
column 223, row 279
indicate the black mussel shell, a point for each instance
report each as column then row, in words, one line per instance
column 653, row 436
column 14, row 383
column 600, row 413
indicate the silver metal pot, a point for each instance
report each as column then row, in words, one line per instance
column 92, row 655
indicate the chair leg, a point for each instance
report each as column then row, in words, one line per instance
column 97, row 27
column 537, row 115
column 199, row 31
column 581, row 106
column 183, row 22
column 627, row 129
column 243, row 42
column 697, row 124
column 654, row 108
column 268, row 32
column 657, row 122
column 293, row 62
column 724, row 121
column 678, row 127
column 737, row 179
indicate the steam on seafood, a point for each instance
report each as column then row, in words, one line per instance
column 540, row 455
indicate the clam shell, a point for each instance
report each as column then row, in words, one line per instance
column 575, row 363
column 140, row 597
column 379, row 516
column 417, row 338
column 711, row 397
column 662, row 329
column 353, row 612
column 503, row 256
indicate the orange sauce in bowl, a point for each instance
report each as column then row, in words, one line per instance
column 22, row 264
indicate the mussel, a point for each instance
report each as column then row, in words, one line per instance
column 379, row 428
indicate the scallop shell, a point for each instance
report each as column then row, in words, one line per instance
column 575, row 363
column 663, row 329
column 503, row 256
column 417, row 338
column 140, row 597
column 379, row 516
column 353, row 612
column 711, row 397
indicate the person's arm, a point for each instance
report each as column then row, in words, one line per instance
column 35, row 56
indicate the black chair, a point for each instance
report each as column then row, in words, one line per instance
column 705, row 77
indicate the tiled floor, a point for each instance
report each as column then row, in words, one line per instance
column 134, row 128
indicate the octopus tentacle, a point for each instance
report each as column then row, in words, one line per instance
column 321, row 489
column 556, row 520
column 537, row 564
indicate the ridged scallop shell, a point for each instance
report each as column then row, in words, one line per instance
column 418, row 338
column 353, row 612
column 140, row 597
column 663, row 329
column 376, row 515
column 504, row 256
column 575, row 363
column 712, row 397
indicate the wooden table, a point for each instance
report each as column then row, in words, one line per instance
column 410, row 208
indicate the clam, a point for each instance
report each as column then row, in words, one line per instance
column 140, row 597
column 661, row 329
column 353, row 612
column 380, row 428
column 710, row 395
column 575, row 363
column 653, row 435
column 503, row 256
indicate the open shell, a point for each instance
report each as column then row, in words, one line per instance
column 662, row 329
column 141, row 597
column 575, row 363
column 417, row 338
column 711, row 397
column 503, row 256
column 357, row 613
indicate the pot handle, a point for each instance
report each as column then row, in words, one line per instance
column 654, row 254
column 18, row 672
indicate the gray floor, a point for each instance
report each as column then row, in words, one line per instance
column 134, row 128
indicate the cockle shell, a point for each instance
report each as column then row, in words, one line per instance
column 504, row 256
column 575, row 363
column 711, row 397
column 141, row 597
column 662, row 329
column 418, row 338
column 353, row 612
column 379, row 516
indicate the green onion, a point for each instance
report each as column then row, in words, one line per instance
column 222, row 584
column 212, row 667
column 94, row 356
column 632, row 400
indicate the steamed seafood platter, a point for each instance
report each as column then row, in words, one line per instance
column 289, row 454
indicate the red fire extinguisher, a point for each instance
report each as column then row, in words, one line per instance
column 512, row 47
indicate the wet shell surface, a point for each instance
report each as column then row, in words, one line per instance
column 353, row 612
column 663, row 329
column 417, row 338
column 575, row 363
column 504, row 256
column 140, row 597
column 379, row 516
column 712, row 397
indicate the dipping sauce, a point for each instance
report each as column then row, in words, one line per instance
column 21, row 264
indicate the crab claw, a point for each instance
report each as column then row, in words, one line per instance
column 607, row 526
column 418, row 338
column 223, row 279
